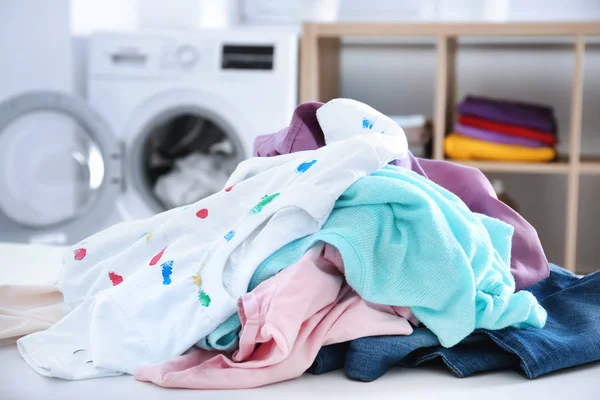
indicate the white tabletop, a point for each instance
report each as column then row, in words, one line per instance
column 18, row 381
column 38, row 264
column 29, row 264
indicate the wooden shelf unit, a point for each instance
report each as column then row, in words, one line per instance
column 320, row 80
column 525, row 168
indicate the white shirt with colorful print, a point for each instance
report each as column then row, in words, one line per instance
column 144, row 291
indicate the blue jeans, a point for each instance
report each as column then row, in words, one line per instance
column 571, row 337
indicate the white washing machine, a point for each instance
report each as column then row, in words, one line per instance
column 174, row 96
column 48, row 136
column 69, row 168
column 155, row 102
column 180, row 93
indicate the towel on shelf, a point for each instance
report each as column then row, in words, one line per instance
column 548, row 138
column 495, row 137
column 460, row 147
column 409, row 121
column 511, row 112
column 416, row 127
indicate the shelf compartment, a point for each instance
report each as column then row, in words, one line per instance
column 587, row 227
column 589, row 167
column 538, row 197
column 319, row 67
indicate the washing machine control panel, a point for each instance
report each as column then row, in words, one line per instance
column 247, row 56
column 208, row 56
column 187, row 56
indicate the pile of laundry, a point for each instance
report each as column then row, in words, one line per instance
column 333, row 248
column 501, row 130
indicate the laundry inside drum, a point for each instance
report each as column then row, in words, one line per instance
column 188, row 157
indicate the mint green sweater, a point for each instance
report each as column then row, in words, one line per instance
column 406, row 241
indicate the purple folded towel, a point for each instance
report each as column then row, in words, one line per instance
column 495, row 137
column 510, row 112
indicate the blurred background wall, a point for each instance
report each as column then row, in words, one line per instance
column 398, row 78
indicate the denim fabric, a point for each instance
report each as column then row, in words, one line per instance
column 571, row 337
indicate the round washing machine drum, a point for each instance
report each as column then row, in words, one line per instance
column 180, row 151
column 60, row 169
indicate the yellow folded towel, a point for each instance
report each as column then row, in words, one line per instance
column 461, row 147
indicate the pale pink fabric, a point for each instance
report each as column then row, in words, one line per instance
column 25, row 309
column 285, row 321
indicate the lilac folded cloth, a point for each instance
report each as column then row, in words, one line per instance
column 528, row 261
column 296, row 137
column 510, row 112
column 495, row 137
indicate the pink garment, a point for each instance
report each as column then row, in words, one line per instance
column 25, row 309
column 285, row 321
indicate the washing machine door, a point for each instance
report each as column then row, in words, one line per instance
column 176, row 128
column 60, row 169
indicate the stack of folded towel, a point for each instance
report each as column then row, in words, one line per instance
column 418, row 133
column 501, row 130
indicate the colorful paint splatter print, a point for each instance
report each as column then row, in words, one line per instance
column 115, row 278
column 229, row 235
column 196, row 277
column 157, row 257
column 204, row 298
column 202, row 214
column 167, row 271
column 79, row 254
column 263, row 202
column 367, row 123
column 305, row 166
